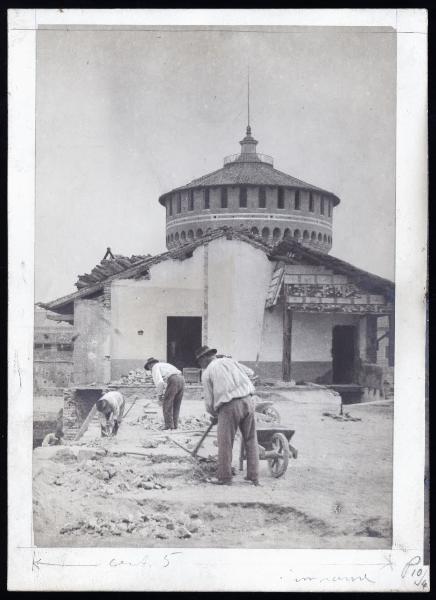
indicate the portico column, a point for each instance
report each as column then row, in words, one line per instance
column 287, row 341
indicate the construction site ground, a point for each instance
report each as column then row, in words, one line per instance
column 336, row 494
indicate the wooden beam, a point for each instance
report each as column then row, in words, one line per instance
column 56, row 317
column 86, row 423
column 287, row 342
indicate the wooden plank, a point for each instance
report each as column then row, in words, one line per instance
column 125, row 262
column 56, row 317
column 85, row 423
column 287, row 341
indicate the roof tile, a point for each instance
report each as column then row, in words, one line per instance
column 249, row 173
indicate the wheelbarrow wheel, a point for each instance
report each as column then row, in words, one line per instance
column 279, row 464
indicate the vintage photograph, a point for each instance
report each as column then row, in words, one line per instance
column 214, row 287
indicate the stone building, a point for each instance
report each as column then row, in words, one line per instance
column 52, row 350
column 247, row 270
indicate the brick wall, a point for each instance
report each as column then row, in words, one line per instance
column 185, row 224
column 77, row 404
column 46, row 373
column 92, row 345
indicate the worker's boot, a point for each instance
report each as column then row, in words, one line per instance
column 217, row 481
column 252, row 481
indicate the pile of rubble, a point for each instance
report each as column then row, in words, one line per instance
column 135, row 377
column 194, row 423
column 152, row 421
column 142, row 525
column 345, row 417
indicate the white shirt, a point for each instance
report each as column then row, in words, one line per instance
column 225, row 379
column 160, row 373
column 115, row 401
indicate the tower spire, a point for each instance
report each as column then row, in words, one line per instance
column 248, row 101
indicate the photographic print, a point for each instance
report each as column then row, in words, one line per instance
column 214, row 311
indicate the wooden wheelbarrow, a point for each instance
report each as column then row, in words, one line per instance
column 274, row 446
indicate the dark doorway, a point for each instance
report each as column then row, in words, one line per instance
column 344, row 353
column 183, row 339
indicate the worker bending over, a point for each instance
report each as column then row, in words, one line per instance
column 170, row 385
column 111, row 409
column 53, row 439
column 227, row 395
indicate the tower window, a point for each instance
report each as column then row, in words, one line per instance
column 206, row 198
column 254, row 231
column 297, row 200
column 321, row 207
column 262, row 198
column 179, row 203
column 191, row 200
column 170, row 206
column 276, row 234
column 224, row 198
column 287, row 234
column 311, row 203
column 265, row 234
column 176, row 237
column 313, row 236
column 243, row 197
column 190, row 234
column 319, row 237
column 280, row 198
column 297, row 234
column 329, row 207
column 199, row 233
column 305, row 235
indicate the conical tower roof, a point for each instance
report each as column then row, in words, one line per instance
column 249, row 168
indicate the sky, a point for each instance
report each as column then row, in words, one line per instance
column 124, row 116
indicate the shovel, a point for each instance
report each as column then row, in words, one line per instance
column 193, row 452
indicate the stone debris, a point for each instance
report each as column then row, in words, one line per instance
column 142, row 525
column 135, row 377
column 152, row 443
column 150, row 482
column 193, row 423
column 344, row 417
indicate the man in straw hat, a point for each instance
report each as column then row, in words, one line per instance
column 170, row 385
column 227, row 395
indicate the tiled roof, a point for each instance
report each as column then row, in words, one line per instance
column 249, row 173
column 138, row 268
column 286, row 251
column 292, row 252
column 108, row 267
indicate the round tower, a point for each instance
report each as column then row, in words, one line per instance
column 249, row 192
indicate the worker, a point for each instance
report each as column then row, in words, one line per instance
column 227, row 395
column 170, row 385
column 249, row 372
column 111, row 409
column 53, row 439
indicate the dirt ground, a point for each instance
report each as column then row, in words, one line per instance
column 336, row 494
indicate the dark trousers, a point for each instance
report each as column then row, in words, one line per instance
column 238, row 413
column 172, row 400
